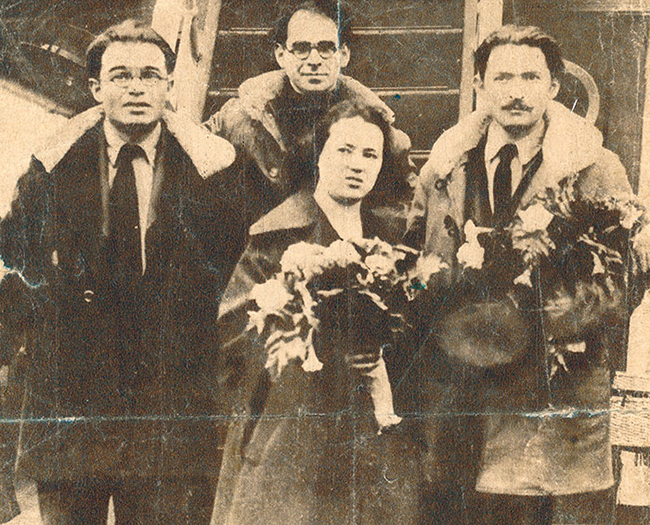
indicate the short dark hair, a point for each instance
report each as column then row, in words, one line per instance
column 349, row 109
column 335, row 10
column 520, row 36
column 390, row 185
column 127, row 31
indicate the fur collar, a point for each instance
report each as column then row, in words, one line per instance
column 256, row 92
column 297, row 211
column 570, row 145
column 208, row 152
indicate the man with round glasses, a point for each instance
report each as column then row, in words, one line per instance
column 273, row 117
column 112, row 242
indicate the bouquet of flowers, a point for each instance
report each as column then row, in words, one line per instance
column 314, row 281
column 564, row 254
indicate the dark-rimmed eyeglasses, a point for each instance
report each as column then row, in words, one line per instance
column 325, row 48
column 147, row 77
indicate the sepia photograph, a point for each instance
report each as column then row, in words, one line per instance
column 325, row 262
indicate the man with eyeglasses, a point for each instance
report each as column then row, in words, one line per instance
column 113, row 243
column 272, row 119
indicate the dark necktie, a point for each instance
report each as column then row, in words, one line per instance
column 124, row 217
column 503, row 183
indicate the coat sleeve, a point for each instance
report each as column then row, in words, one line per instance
column 23, row 246
column 22, row 239
column 242, row 354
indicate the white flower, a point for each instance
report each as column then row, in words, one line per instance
column 380, row 264
column 599, row 268
column 524, row 279
column 271, row 296
column 342, row 253
column 427, row 266
column 472, row 231
column 535, row 218
column 631, row 214
column 471, row 255
column 301, row 257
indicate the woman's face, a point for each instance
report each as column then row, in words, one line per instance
column 351, row 159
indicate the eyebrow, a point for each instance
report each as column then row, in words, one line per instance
column 124, row 68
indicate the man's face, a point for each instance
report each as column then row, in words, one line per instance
column 312, row 73
column 517, row 87
column 133, row 85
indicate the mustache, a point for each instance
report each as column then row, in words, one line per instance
column 517, row 105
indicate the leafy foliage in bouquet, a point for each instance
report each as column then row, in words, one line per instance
column 290, row 305
column 564, row 254
column 572, row 237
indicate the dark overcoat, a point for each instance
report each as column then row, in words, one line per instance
column 91, row 410
column 544, row 435
column 303, row 449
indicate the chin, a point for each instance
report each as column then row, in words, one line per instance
column 348, row 198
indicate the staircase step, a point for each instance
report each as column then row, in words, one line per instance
column 380, row 57
column 256, row 13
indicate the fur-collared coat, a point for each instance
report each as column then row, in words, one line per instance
column 91, row 411
column 543, row 436
column 263, row 175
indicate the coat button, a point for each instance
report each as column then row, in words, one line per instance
column 274, row 172
column 88, row 295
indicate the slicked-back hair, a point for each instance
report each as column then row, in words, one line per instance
column 520, row 36
column 127, row 31
column 335, row 10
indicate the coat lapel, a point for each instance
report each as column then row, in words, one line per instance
column 79, row 202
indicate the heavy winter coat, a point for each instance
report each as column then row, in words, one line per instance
column 90, row 410
column 544, row 436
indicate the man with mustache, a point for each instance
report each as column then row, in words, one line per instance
column 272, row 119
column 520, row 464
column 112, row 242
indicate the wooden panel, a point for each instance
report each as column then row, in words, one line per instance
column 377, row 60
column 609, row 5
column 260, row 13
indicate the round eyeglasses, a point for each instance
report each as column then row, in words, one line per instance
column 325, row 48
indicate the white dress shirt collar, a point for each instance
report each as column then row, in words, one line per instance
column 527, row 146
column 115, row 142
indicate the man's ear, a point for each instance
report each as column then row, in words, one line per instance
column 555, row 87
column 344, row 54
column 280, row 54
column 96, row 89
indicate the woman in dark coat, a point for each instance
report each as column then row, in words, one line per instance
column 304, row 449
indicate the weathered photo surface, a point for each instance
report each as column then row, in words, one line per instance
column 324, row 262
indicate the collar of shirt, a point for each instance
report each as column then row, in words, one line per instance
column 527, row 148
column 114, row 143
